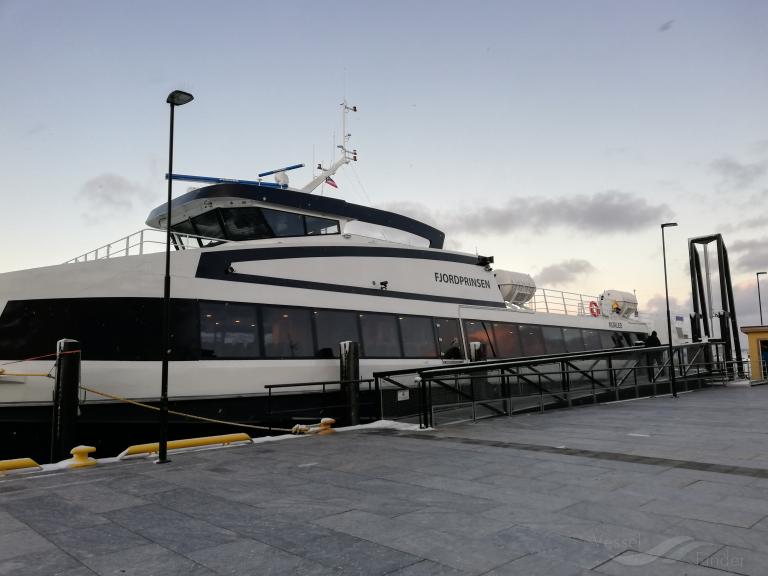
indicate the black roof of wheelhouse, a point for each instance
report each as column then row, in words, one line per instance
column 288, row 198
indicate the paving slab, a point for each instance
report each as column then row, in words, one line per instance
column 653, row 486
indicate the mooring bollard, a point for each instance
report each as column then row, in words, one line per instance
column 65, row 399
column 349, row 375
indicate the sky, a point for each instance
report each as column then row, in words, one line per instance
column 554, row 135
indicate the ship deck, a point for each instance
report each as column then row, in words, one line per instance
column 650, row 486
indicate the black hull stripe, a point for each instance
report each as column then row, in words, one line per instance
column 214, row 266
column 290, row 283
column 225, row 257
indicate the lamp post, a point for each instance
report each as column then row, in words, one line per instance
column 669, row 322
column 759, row 301
column 175, row 98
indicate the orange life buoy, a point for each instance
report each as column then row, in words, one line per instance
column 594, row 309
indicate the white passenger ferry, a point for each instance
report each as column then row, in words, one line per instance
column 266, row 281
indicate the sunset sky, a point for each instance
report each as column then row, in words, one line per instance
column 555, row 135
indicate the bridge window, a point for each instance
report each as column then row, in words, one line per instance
column 332, row 327
column 244, row 223
column 320, row 225
column 284, row 223
column 418, row 337
column 287, row 332
column 206, row 224
column 253, row 223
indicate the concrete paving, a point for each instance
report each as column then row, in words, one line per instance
column 653, row 486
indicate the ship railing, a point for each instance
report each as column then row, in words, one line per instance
column 146, row 241
column 490, row 388
column 559, row 302
column 320, row 399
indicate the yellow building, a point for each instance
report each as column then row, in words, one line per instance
column 757, row 337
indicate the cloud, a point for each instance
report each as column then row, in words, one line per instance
column 564, row 272
column 666, row 26
column 657, row 304
column 601, row 213
column 748, row 224
column 738, row 175
column 110, row 194
column 751, row 255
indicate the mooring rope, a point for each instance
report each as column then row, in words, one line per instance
column 184, row 414
column 41, row 357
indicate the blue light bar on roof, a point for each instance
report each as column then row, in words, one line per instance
column 291, row 167
column 211, row 180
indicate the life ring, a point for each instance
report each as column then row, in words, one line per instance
column 594, row 309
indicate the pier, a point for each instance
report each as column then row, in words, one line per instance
column 648, row 486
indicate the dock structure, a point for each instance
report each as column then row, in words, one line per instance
column 650, row 486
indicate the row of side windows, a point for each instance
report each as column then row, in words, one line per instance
column 235, row 330
column 507, row 340
column 130, row 329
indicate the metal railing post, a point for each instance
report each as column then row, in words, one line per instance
column 472, row 394
column 565, row 382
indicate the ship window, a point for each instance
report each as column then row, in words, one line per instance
column 592, row 340
column 606, row 340
column 287, row 332
column 208, row 225
column 380, row 338
column 418, row 337
column 532, row 340
column 449, row 339
column 332, row 327
column 284, row 223
column 618, row 340
column 553, row 338
column 245, row 223
column 184, row 227
column 479, row 331
column 507, row 339
column 321, row 225
column 573, row 340
column 228, row 330
column 107, row 328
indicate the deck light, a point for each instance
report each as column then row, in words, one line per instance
column 759, row 300
column 175, row 98
column 669, row 323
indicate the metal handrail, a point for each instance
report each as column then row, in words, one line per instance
column 561, row 379
column 560, row 302
column 146, row 241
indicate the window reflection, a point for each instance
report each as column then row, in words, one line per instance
column 287, row 332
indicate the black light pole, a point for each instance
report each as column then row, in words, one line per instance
column 759, row 301
column 175, row 98
column 669, row 322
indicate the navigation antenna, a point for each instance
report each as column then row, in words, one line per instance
column 345, row 157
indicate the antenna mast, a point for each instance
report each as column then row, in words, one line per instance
column 345, row 157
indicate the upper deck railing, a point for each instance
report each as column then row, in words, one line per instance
column 559, row 302
column 146, row 241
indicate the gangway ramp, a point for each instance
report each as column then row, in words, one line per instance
column 475, row 390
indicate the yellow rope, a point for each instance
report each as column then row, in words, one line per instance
column 4, row 373
column 194, row 417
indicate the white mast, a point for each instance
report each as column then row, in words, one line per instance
column 346, row 156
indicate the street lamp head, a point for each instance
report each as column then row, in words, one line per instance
column 669, row 224
column 759, row 273
column 179, row 98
